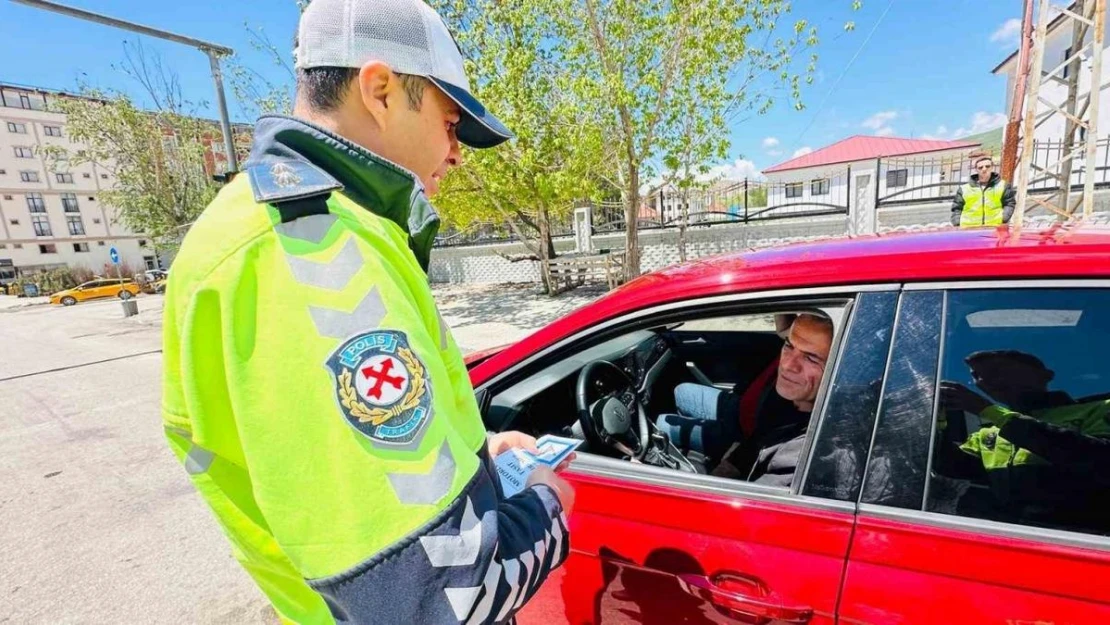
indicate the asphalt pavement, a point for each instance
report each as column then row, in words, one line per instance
column 98, row 521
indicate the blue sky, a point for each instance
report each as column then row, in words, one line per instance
column 924, row 73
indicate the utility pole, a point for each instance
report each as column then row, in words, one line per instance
column 1080, row 111
column 213, row 51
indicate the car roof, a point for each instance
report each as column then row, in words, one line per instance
column 1060, row 251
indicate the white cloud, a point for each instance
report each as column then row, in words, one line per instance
column 739, row 169
column 802, row 151
column 879, row 123
column 981, row 121
column 880, row 119
column 770, row 142
column 1008, row 33
column 774, row 152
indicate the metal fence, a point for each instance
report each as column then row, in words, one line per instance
column 901, row 181
column 911, row 180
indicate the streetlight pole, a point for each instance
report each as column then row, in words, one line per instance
column 214, row 52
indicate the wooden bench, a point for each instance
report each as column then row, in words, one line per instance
column 568, row 272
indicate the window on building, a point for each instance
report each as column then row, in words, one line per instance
column 23, row 152
column 48, row 248
column 52, row 131
column 819, row 187
column 149, row 260
column 35, row 203
column 103, row 176
column 17, row 246
column 24, row 101
column 29, row 176
column 3, row 171
column 3, row 246
column 897, row 178
column 92, row 199
column 17, row 128
column 80, row 247
column 64, row 177
column 794, row 189
column 1067, row 53
column 75, row 225
column 41, row 223
column 96, row 220
column 14, row 222
column 142, row 242
column 69, row 203
column 100, row 243
column 86, row 176
column 7, row 197
column 1024, row 419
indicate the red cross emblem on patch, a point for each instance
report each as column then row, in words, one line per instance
column 382, row 380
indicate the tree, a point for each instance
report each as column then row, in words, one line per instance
column 533, row 181
column 158, row 156
column 668, row 76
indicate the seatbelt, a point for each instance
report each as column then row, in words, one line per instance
column 752, row 398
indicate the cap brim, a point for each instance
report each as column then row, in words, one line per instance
column 478, row 128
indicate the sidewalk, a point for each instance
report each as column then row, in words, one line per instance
column 11, row 302
column 489, row 315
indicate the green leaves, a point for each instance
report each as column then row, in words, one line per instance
column 157, row 158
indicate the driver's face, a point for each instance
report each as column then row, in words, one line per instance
column 802, row 362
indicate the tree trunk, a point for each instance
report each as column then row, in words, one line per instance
column 547, row 252
column 631, row 233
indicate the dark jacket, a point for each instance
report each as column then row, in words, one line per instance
column 1009, row 199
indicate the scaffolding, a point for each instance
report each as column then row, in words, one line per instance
column 1080, row 111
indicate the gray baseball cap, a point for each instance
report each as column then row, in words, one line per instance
column 408, row 36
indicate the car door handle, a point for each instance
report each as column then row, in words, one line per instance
column 697, row 341
column 757, row 602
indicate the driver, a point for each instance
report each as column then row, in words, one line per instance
column 709, row 419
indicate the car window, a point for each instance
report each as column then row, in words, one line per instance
column 899, row 454
column 840, row 450
column 1022, row 429
column 747, row 425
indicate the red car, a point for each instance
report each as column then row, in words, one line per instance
column 905, row 505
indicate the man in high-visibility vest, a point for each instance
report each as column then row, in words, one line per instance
column 1045, row 454
column 311, row 389
column 987, row 200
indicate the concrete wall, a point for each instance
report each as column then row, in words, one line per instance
column 484, row 264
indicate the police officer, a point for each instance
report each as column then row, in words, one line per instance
column 984, row 201
column 312, row 391
column 1045, row 454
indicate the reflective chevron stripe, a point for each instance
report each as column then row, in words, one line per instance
column 334, row 275
column 312, row 228
column 198, row 459
column 461, row 550
column 429, row 488
column 337, row 324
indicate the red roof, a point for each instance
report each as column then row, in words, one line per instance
column 862, row 147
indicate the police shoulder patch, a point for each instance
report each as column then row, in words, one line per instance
column 382, row 386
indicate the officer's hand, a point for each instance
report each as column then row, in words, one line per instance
column 543, row 474
column 505, row 441
column 956, row 396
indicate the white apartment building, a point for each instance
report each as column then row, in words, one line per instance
column 50, row 219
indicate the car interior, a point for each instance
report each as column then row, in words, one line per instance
column 608, row 389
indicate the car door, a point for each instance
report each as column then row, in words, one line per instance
column 89, row 290
column 697, row 346
column 649, row 545
column 957, row 524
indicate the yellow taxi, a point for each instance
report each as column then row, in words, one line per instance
column 104, row 287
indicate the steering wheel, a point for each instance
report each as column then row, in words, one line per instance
column 609, row 419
